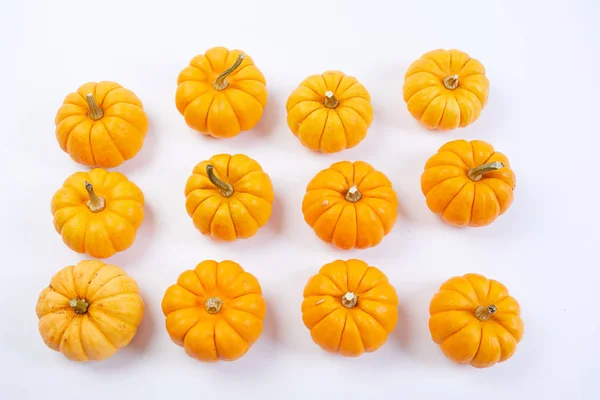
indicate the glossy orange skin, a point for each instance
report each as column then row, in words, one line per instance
column 325, row 129
column 115, row 311
column 108, row 142
column 462, row 337
column 349, row 331
column 229, row 218
column 226, row 335
column 344, row 224
column 459, row 200
column 224, row 113
column 104, row 233
column 436, row 106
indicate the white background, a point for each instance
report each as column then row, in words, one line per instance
column 542, row 59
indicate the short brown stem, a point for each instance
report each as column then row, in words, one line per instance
column 95, row 112
column 213, row 305
column 221, row 82
column 451, row 82
column 80, row 306
column 353, row 194
column 349, row 299
column 95, row 203
column 330, row 101
column 484, row 313
column 225, row 188
column 476, row 173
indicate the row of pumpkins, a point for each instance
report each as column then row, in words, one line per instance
column 216, row 311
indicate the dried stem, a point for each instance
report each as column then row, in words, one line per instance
column 95, row 203
column 95, row 112
column 330, row 101
column 476, row 173
column 225, row 188
column 221, row 82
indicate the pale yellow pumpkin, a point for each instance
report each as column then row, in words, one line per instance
column 89, row 311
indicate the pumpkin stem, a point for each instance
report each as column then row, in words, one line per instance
column 330, row 100
column 476, row 173
column 213, row 305
column 95, row 203
column 349, row 299
column 353, row 195
column 225, row 188
column 484, row 313
column 80, row 306
column 221, row 83
column 95, row 112
column 451, row 82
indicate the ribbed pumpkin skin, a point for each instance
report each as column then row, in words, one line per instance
column 209, row 334
column 109, row 321
column 345, row 224
column 238, row 216
column 109, row 141
column 100, row 234
column 446, row 89
column 227, row 112
column 462, row 336
column 329, row 125
column 350, row 329
column 459, row 200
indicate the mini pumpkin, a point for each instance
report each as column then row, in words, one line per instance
column 349, row 307
column 101, row 124
column 221, row 93
column 215, row 312
column 475, row 321
column 330, row 112
column 98, row 212
column 229, row 197
column 446, row 89
column 89, row 311
column 468, row 183
column 350, row 205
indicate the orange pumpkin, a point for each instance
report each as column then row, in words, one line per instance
column 468, row 183
column 229, row 197
column 89, row 311
column 351, row 205
column 98, row 212
column 101, row 125
column 475, row 321
column 330, row 112
column 349, row 307
column 215, row 311
column 446, row 89
column 221, row 93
